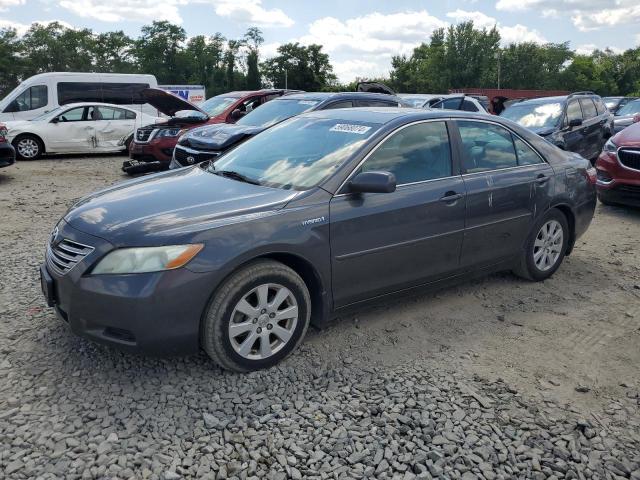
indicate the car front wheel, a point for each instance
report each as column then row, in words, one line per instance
column 257, row 317
column 28, row 147
column 545, row 248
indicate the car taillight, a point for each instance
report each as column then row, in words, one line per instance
column 592, row 175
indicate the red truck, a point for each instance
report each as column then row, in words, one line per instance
column 152, row 146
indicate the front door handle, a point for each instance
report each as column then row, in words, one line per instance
column 451, row 197
column 542, row 179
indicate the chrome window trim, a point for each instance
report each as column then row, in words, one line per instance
column 190, row 150
column 417, row 122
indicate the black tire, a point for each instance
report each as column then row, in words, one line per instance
column 215, row 337
column 527, row 267
column 34, row 141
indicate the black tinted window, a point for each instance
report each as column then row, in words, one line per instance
column 129, row 115
column 468, row 106
column 600, row 107
column 343, row 104
column 573, row 111
column 449, row 104
column 118, row 93
column 414, row 154
column 32, row 98
column 376, row 103
column 588, row 108
column 486, row 147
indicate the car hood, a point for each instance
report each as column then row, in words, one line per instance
column 218, row 137
column 171, row 207
column 167, row 102
column 629, row 137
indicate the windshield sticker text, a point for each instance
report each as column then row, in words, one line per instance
column 345, row 127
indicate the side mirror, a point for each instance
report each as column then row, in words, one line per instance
column 373, row 182
column 55, row 120
column 237, row 114
column 575, row 122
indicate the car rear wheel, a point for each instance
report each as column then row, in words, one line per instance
column 545, row 248
column 28, row 147
column 257, row 317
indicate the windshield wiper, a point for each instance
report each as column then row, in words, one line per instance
column 236, row 176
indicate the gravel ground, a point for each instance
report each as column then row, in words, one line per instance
column 496, row 378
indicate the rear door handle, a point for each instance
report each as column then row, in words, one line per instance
column 451, row 197
column 542, row 179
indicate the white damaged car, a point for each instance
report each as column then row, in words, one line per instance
column 86, row 127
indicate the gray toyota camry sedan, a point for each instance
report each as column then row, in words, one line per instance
column 322, row 212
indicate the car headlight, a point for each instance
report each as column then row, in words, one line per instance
column 146, row 259
column 610, row 147
column 169, row 132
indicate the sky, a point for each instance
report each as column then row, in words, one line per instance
column 359, row 36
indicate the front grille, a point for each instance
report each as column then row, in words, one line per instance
column 143, row 134
column 629, row 189
column 630, row 157
column 66, row 254
column 191, row 157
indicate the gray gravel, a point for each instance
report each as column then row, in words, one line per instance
column 71, row 409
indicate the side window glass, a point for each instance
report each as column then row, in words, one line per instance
column 31, row 99
column 588, row 108
column 129, row 115
column 468, row 106
column 103, row 113
column 375, row 103
column 526, row 155
column 600, row 106
column 414, row 154
column 249, row 105
column 344, row 104
column 486, row 147
column 573, row 111
column 73, row 115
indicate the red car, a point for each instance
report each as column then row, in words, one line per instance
column 152, row 146
column 618, row 168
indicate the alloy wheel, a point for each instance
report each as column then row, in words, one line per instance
column 548, row 245
column 28, row 148
column 263, row 321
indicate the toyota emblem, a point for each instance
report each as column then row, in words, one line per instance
column 190, row 159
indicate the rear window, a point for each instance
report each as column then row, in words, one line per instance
column 117, row 93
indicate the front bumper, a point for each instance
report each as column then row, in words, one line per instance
column 153, row 313
column 616, row 183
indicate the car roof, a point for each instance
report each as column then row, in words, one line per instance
column 383, row 115
column 322, row 96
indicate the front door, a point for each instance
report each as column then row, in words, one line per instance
column 382, row 242
column 574, row 137
column 505, row 182
column 71, row 132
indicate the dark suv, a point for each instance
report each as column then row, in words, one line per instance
column 210, row 141
column 579, row 122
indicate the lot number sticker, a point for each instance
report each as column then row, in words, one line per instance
column 346, row 127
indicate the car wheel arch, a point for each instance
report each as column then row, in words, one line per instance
column 566, row 210
column 29, row 134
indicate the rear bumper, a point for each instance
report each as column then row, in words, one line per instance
column 155, row 313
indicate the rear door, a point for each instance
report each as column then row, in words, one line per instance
column 574, row 137
column 112, row 126
column 506, row 184
column 591, row 128
column 382, row 242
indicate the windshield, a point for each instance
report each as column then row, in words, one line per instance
column 534, row 115
column 611, row 102
column 297, row 154
column 216, row 105
column 630, row 108
column 415, row 102
column 275, row 111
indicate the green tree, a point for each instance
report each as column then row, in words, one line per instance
column 253, row 39
column 113, row 52
column 159, row 51
column 11, row 63
column 299, row 67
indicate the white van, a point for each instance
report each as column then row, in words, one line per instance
column 44, row 92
